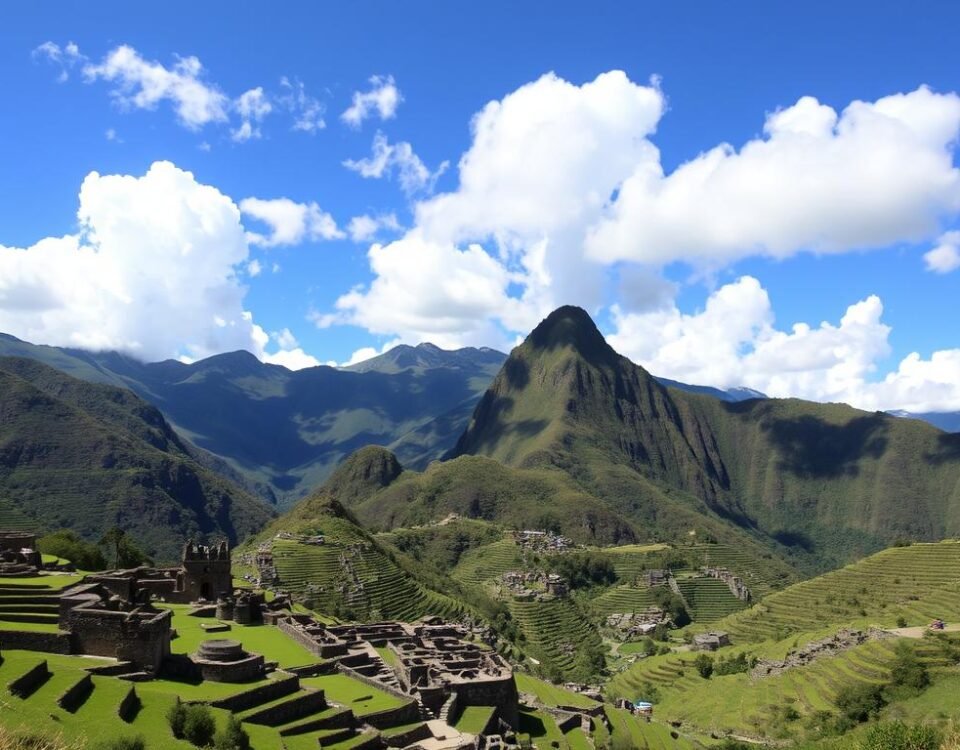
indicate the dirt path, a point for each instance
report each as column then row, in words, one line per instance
column 918, row 632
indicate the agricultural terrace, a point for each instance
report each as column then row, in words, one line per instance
column 913, row 584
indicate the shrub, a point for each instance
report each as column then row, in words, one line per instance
column 734, row 665
column 704, row 665
column 899, row 736
column 232, row 737
column 122, row 743
column 859, row 703
column 199, row 726
column 177, row 718
column 907, row 670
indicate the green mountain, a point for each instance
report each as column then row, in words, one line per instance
column 88, row 456
column 826, row 481
column 281, row 432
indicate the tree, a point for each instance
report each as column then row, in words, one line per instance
column 199, row 726
column 860, row 702
column 704, row 665
column 67, row 545
column 177, row 718
column 232, row 737
column 126, row 554
column 907, row 670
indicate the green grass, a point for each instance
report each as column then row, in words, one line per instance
column 473, row 719
column 709, row 599
column 549, row 694
column 559, row 635
column 358, row 696
column 260, row 639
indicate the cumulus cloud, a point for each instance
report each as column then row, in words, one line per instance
column 382, row 98
column 365, row 227
column 945, row 257
column 734, row 341
column 151, row 271
column 875, row 174
column 562, row 181
column 289, row 353
column 387, row 159
column 143, row 84
column 290, row 222
column 252, row 106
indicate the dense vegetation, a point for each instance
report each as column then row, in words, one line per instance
column 87, row 457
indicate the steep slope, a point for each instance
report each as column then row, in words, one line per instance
column 282, row 432
column 824, row 480
column 87, row 457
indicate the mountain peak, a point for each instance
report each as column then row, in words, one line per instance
column 571, row 326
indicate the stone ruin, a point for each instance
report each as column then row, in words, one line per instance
column 542, row 541
column 430, row 661
column 204, row 574
column 223, row 660
column 634, row 625
column 736, row 585
column 710, row 641
column 830, row 646
column 534, row 585
column 654, row 578
column 18, row 554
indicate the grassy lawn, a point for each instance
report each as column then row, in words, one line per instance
column 542, row 729
column 473, row 719
column 54, row 581
column 260, row 639
column 32, row 627
column 551, row 695
column 389, row 656
column 362, row 698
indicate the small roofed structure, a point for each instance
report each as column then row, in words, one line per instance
column 710, row 641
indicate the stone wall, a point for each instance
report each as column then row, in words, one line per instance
column 241, row 670
column 74, row 696
column 501, row 693
column 409, row 737
column 371, row 681
column 24, row 685
column 407, row 713
column 263, row 694
column 311, row 702
column 50, row 643
column 129, row 706
column 140, row 638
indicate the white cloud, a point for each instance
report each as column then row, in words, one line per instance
column 427, row 291
column 254, row 268
column 365, row 227
column 65, row 58
column 382, row 99
column 945, row 257
column 151, row 272
column 306, row 110
column 290, row 354
column 290, row 223
column 387, row 159
column 143, row 84
column 562, row 189
column 252, row 106
column 733, row 342
column 876, row 174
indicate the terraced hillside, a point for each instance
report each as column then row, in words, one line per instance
column 13, row 519
column 708, row 599
column 31, row 604
column 489, row 562
column 918, row 583
column 559, row 635
column 622, row 600
column 375, row 587
column 742, row 704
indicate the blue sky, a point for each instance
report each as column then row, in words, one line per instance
column 565, row 190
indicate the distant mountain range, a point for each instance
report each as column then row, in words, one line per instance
column 89, row 456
